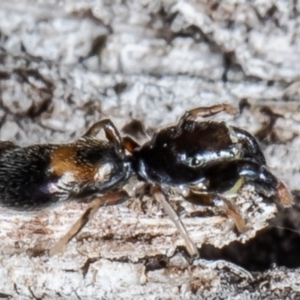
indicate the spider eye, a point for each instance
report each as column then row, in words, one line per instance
column 195, row 162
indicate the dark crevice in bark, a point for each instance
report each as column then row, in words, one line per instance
column 278, row 244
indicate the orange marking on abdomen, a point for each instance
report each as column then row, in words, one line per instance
column 63, row 159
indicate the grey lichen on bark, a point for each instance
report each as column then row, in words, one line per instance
column 66, row 65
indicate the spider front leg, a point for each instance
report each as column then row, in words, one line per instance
column 111, row 198
column 219, row 201
column 263, row 180
column 111, row 132
column 207, row 111
column 159, row 196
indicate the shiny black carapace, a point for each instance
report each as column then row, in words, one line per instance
column 204, row 160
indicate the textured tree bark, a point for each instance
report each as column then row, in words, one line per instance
column 66, row 65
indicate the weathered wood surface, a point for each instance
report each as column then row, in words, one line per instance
column 67, row 64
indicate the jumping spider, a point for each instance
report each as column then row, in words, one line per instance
column 190, row 156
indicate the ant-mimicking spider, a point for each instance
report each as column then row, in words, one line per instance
column 203, row 160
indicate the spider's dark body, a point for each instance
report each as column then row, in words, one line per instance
column 204, row 160
column 212, row 153
column 185, row 154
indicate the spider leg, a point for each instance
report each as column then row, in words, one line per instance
column 256, row 174
column 111, row 198
column 207, row 111
column 219, row 201
column 159, row 195
column 111, row 132
column 264, row 181
column 130, row 144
